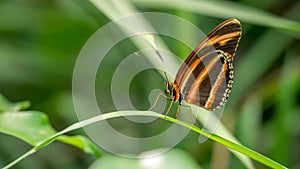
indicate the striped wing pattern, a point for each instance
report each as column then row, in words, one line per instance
column 206, row 76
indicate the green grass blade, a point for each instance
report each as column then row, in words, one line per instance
column 244, row 150
column 225, row 9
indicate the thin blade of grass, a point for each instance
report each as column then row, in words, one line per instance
column 241, row 149
column 224, row 9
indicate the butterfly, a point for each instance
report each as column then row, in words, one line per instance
column 206, row 76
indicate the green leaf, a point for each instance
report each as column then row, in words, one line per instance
column 30, row 126
column 6, row 105
column 82, row 143
column 34, row 127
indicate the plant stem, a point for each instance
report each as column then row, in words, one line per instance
column 244, row 150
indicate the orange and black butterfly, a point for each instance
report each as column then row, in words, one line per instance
column 206, row 76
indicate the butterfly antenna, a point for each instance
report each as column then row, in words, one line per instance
column 151, row 40
column 159, row 55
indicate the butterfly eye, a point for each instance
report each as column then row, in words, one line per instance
column 170, row 86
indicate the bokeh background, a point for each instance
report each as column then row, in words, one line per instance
column 41, row 39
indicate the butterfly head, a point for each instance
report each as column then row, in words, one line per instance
column 169, row 88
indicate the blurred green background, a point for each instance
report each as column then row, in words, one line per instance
column 41, row 39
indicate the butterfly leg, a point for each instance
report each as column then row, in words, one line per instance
column 157, row 98
column 178, row 110
column 171, row 104
column 191, row 114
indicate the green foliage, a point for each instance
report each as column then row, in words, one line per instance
column 6, row 105
column 34, row 127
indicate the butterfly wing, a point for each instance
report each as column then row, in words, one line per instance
column 206, row 76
